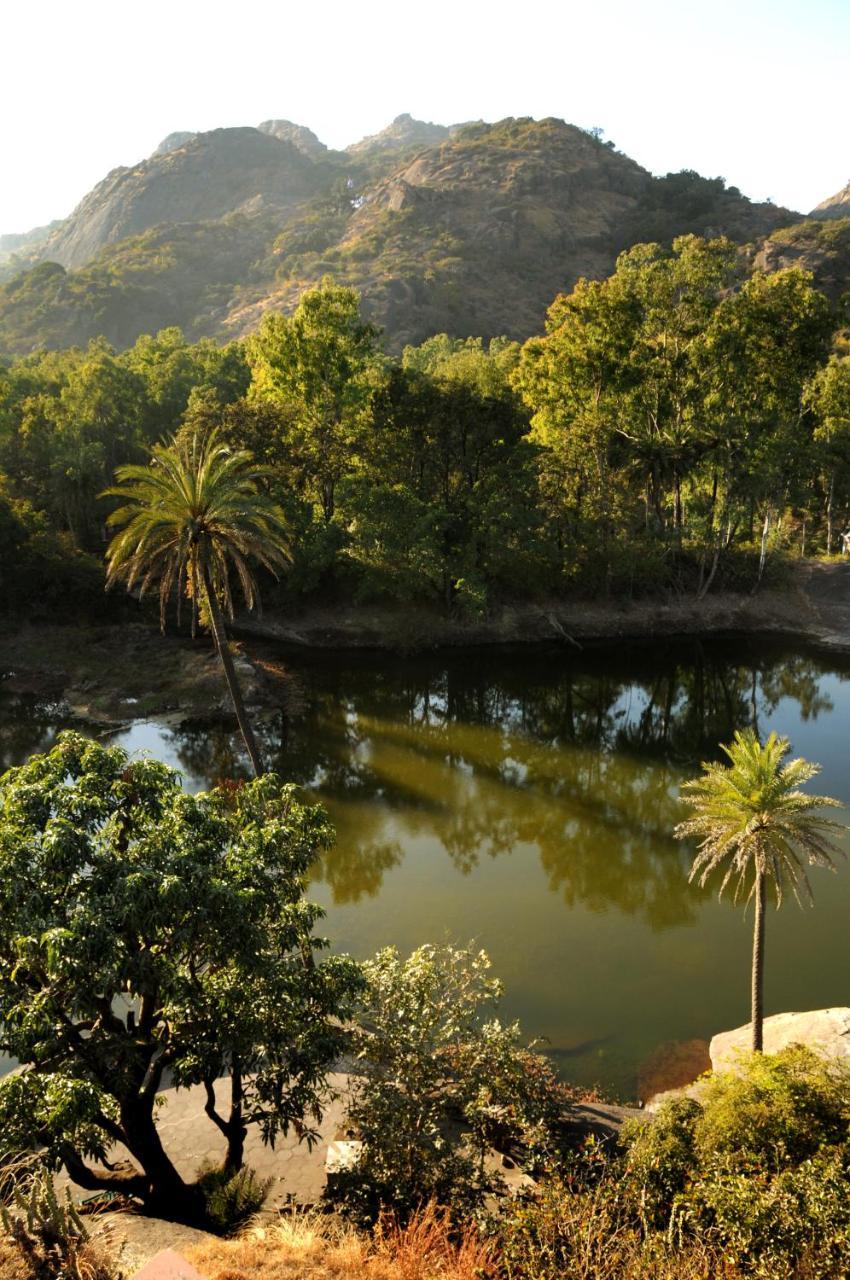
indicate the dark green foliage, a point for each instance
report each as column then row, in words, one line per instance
column 678, row 429
column 41, row 570
column 159, row 931
column 230, row 1199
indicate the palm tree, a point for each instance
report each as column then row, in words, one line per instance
column 755, row 825
column 188, row 519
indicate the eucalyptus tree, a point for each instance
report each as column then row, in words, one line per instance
column 321, row 367
column 189, row 519
column 759, row 829
column 828, row 396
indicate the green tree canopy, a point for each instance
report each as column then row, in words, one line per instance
column 148, row 935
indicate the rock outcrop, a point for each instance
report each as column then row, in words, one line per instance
column 298, row 134
column 206, row 178
column 837, row 206
column 827, row 1031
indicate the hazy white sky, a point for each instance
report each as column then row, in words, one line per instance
column 755, row 90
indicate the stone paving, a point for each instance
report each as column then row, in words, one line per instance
column 190, row 1138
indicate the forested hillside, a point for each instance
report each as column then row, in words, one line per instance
column 679, row 426
column 469, row 229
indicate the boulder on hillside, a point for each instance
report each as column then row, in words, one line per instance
column 827, row 1031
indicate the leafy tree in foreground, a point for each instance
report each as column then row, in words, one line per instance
column 755, row 824
column 189, row 518
column 147, row 934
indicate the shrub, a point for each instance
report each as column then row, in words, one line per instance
column 588, row 1232
column 49, row 1235
column 780, row 1111
column 760, row 1166
column 441, row 1083
column 661, row 1159
column 230, row 1199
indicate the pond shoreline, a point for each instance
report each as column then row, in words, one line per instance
column 114, row 673
column 812, row 607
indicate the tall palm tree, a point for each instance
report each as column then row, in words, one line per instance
column 755, row 825
column 189, row 518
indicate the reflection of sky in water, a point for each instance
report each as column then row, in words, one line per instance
column 528, row 803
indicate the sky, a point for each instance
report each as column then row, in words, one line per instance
column 752, row 90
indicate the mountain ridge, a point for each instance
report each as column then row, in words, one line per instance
column 469, row 228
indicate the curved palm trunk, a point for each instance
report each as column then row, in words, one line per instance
column 220, row 637
column 758, row 965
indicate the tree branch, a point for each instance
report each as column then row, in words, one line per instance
column 131, row 1184
column 210, row 1108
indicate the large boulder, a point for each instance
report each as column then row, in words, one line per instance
column 825, row 1030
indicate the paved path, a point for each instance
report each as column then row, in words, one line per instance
column 190, row 1138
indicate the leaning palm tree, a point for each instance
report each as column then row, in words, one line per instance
column 191, row 517
column 756, row 826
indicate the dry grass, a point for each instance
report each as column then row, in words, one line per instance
column 314, row 1247
column 85, row 1261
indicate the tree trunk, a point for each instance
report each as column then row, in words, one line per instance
column 166, row 1189
column 765, row 530
column 758, row 965
column 220, row 637
column 829, row 514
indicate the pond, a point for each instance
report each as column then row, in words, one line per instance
column 526, row 801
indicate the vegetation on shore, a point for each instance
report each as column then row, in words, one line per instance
column 167, row 932
column 679, row 427
column 676, row 425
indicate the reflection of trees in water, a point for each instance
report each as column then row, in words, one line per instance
column 355, row 867
column 27, row 725
column 579, row 759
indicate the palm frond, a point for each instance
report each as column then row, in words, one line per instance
column 197, row 502
column 749, row 818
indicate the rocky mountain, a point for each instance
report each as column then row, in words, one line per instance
column 837, row 206
column 25, row 242
column 820, row 245
column 469, row 229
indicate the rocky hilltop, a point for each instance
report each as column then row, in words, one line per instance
column 467, row 228
column 202, row 178
column 837, row 206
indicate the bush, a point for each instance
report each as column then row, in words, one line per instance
column 661, row 1159
column 441, row 1084
column 230, row 1199
column 48, row 1235
column 567, row 1231
column 761, row 1165
column 782, row 1110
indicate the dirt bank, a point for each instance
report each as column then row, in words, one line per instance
column 113, row 674
column 813, row 605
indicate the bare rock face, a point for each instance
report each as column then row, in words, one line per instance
column 205, row 178
column 298, row 134
column 404, row 132
column 172, row 142
column 826, row 1031
column 837, row 206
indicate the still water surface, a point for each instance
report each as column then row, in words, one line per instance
column 527, row 801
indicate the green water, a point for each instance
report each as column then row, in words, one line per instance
column 526, row 801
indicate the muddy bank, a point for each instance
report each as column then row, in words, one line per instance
column 812, row 606
column 116, row 673
column 113, row 675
